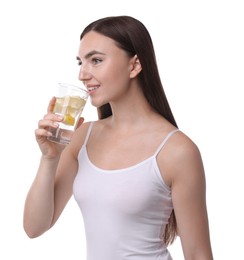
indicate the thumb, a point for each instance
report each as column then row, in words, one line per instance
column 81, row 120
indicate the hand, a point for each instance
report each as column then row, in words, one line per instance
column 49, row 149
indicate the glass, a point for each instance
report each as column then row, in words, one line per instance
column 70, row 102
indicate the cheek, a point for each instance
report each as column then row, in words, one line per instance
column 118, row 75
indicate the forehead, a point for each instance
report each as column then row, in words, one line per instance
column 96, row 41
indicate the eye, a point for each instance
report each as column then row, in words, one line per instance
column 78, row 61
column 96, row 61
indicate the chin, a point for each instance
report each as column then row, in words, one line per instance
column 97, row 103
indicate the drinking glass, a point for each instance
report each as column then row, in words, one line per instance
column 70, row 102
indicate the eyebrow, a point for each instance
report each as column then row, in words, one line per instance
column 91, row 53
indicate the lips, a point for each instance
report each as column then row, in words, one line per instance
column 92, row 89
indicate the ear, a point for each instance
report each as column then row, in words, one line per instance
column 135, row 67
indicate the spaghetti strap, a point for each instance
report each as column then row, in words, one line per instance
column 88, row 133
column 165, row 140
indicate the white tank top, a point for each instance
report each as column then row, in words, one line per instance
column 125, row 211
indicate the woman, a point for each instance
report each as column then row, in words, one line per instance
column 137, row 179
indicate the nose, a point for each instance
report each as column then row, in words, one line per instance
column 84, row 74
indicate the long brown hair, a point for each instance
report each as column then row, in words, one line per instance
column 133, row 37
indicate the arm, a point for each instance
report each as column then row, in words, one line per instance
column 185, row 174
column 49, row 193
column 52, row 186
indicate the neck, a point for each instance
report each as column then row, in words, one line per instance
column 132, row 110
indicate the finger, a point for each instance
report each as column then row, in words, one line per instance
column 39, row 133
column 53, row 117
column 81, row 120
column 51, row 121
column 51, row 105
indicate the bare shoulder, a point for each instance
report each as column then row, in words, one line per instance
column 183, row 148
column 180, row 159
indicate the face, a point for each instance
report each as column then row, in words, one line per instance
column 104, row 68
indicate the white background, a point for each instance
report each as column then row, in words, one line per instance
column 199, row 47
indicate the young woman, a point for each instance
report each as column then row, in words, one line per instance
column 137, row 179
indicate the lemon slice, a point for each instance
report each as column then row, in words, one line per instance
column 69, row 120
